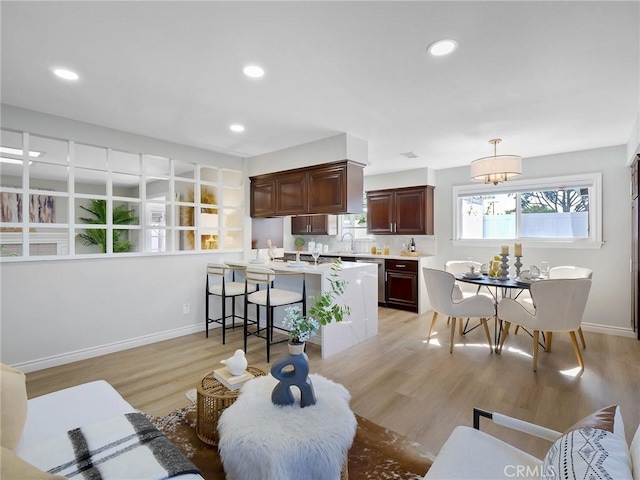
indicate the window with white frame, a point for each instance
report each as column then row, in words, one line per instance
column 559, row 209
column 65, row 198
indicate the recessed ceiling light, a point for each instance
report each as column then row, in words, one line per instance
column 442, row 47
column 18, row 151
column 66, row 74
column 253, row 71
column 236, row 127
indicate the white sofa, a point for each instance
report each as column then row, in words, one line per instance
column 48, row 419
column 472, row 454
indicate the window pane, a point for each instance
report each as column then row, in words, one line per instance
column 47, row 176
column 47, row 208
column 124, row 162
column 209, row 174
column 11, row 161
column 10, row 242
column 126, row 185
column 90, row 157
column 560, row 213
column 488, row 216
column 184, row 170
column 92, row 182
column 10, row 207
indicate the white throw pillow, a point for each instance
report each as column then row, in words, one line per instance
column 587, row 453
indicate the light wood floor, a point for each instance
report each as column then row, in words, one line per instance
column 396, row 379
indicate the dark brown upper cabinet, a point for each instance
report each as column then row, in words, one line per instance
column 330, row 188
column 400, row 211
column 314, row 225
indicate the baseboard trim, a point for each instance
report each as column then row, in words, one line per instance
column 609, row 330
column 85, row 353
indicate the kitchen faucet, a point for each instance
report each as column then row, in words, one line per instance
column 352, row 246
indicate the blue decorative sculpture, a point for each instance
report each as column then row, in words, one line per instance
column 297, row 376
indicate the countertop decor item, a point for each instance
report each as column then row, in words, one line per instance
column 237, row 363
column 299, row 243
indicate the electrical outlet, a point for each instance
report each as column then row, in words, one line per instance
column 186, row 308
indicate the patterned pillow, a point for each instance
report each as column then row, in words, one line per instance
column 588, row 453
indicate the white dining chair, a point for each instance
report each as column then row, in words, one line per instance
column 562, row 271
column 440, row 289
column 458, row 267
column 570, row 271
column 558, row 307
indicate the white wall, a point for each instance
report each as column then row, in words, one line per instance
column 332, row 149
column 54, row 312
column 609, row 306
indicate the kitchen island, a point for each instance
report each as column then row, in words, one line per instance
column 360, row 295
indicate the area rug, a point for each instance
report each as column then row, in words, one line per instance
column 377, row 453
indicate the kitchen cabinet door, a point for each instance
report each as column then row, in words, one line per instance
column 402, row 284
column 402, row 211
column 314, row 225
column 380, row 212
column 291, row 198
column 300, row 225
column 409, row 212
column 328, row 189
column 263, row 198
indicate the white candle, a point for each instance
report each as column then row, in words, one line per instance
column 517, row 248
column 505, row 249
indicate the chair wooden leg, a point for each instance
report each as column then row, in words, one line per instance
column 577, row 349
column 453, row 333
column 433, row 324
column 461, row 326
column 515, row 332
column 584, row 345
column 486, row 332
column 547, row 341
column 505, row 332
column 536, row 339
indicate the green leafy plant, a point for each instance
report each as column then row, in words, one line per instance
column 325, row 310
column 299, row 241
column 98, row 236
column 300, row 328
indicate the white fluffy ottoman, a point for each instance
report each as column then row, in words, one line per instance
column 262, row 441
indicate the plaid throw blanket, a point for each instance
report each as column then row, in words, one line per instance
column 124, row 447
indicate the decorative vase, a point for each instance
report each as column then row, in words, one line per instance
column 296, row 348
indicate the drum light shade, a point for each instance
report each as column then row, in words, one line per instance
column 496, row 169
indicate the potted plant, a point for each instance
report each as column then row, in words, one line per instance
column 121, row 216
column 299, row 242
column 300, row 328
column 324, row 311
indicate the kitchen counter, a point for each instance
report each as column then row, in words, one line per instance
column 360, row 255
column 422, row 261
column 362, row 279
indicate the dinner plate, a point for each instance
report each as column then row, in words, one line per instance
column 527, row 280
column 471, row 275
column 294, row 264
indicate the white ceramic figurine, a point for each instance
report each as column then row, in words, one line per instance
column 236, row 364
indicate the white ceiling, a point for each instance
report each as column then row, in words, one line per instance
column 545, row 76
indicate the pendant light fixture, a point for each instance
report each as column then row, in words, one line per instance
column 496, row 169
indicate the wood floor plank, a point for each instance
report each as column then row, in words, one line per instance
column 398, row 379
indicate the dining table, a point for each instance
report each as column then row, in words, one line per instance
column 498, row 288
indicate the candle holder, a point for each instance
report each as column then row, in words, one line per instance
column 504, row 266
column 518, row 265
